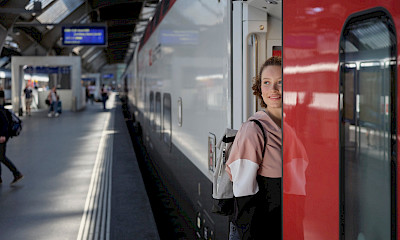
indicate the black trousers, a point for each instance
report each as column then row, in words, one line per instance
column 6, row 161
column 260, row 216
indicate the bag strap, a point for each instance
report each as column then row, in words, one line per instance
column 265, row 137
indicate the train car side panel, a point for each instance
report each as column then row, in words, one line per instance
column 310, row 136
column 190, row 61
column 183, row 65
column 312, row 161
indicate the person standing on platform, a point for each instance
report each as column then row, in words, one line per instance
column 53, row 98
column 86, row 93
column 92, row 90
column 104, row 95
column 2, row 99
column 4, row 136
column 257, row 176
column 28, row 99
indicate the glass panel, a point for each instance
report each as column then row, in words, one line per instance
column 158, row 113
column 367, row 48
column 167, row 118
column 369, row 36
column 349, row 96
column 59, row 10
column 45, row 3
column 151, row 117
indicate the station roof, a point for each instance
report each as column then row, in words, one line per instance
column 34, row 28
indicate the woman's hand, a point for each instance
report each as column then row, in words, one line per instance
column 2, row 139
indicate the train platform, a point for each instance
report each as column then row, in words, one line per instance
column 82, row 179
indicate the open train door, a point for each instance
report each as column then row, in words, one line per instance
column 257, row 35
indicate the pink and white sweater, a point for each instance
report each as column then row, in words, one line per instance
column 245, row 163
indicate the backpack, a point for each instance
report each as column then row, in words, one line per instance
column 222, row 185
column 14, row 123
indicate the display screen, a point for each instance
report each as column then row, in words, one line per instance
column 109, row 75
column 84, row 35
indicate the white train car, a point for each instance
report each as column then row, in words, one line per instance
column 191, row 78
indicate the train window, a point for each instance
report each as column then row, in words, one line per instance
column 158, row 113
column 151, row 108
column 167, row 118
column 368, row 127
column 348, row 93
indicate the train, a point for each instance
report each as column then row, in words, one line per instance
column 190, row 78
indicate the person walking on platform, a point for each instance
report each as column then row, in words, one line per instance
column 4, row 136
column 104, row 95
column 28, row 99
column 53, row 98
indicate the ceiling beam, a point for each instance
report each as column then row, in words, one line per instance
column 52, row 36
column 7, row 19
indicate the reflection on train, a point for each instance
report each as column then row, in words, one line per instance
column 340, row 97
column 190, row 78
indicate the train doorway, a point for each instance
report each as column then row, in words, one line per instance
column 256, row 36
column 368, row 127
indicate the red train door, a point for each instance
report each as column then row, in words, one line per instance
column 368, row 127
column 340, row 151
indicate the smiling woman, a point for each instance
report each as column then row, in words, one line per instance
column 257, row 177
column 271, row 87
column 268, row 87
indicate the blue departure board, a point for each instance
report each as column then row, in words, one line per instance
column 84, row 35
